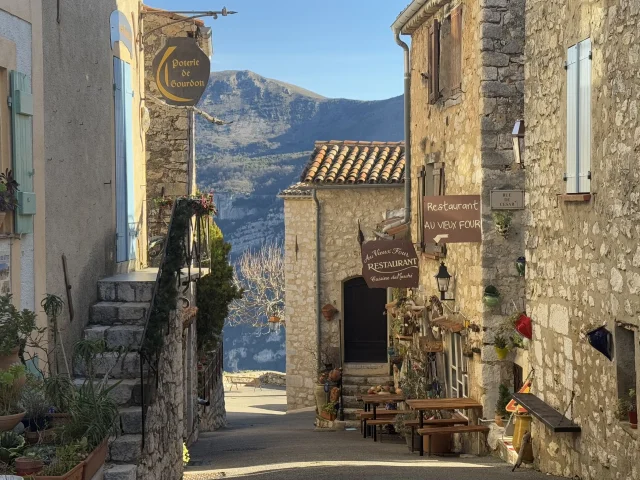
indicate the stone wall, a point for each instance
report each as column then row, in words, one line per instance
column 340, row 209
column 214, row 416
column 469, row 131
column 583, row 258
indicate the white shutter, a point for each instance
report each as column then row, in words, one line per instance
column 572, row 120
column 584, row 116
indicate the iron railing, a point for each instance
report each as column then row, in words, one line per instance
column 194, row 245
column 211, row 375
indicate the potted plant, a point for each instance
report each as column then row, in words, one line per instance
column 521, row 265
column 11, row 445
column 503, row 223
column 29, row 464
column 35, row 404
column 491, row 296
column 8, row 194
column 500, row 344
column 633, row 408
column 15, row 328
column 68, row 463
column 328, row 411
column 59, row 391
column 10, row 413
column 504, row 397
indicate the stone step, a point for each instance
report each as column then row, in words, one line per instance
column 132, row 287
column 131, row 420
column 128, row 336
column 128, row 392
column 119, row 472
column 369, row 381
column 125, row 449
column 119, row 366
column 351, row 402
column 350, row 414
column 354, row 389
column 118, row 313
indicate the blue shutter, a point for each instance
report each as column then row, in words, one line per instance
column 122, row 232
column 22, row 149
column 583, row 166
column 132, row 224
column 572, row 120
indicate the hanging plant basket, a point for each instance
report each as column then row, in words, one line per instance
column 274, row 319
column 502, row 352
column 602, row 340
column 329, row 311
column 521, row 265
column 491, row 296
column 523, row 326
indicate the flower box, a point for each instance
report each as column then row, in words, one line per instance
column 95, row 460
column 76, row 473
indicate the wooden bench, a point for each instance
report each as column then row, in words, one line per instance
column 456, row 419
column 448, row 430
column 250, row 381
column 367, row 417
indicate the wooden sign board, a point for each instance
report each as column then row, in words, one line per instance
column 453, row 219
column 507, row 199
column 390, row 264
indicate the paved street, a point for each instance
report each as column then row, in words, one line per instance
column 262, row 441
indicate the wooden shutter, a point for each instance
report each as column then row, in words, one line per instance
column 421, row 194
column 583, row 167
column 22, row 144
column 434, row 61
column 430, row 248
column 455, row 70
column 571, row 176
column 132, row 224
column 438, row 178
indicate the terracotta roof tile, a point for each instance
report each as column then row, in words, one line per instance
column 351, row 162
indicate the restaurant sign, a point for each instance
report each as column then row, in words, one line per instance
column 453, row 219
column 181, row 71
column 390, row 263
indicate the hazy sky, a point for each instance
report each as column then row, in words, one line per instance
column 337, row 48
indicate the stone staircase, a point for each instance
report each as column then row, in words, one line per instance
column 118, row 317
column 353, row 386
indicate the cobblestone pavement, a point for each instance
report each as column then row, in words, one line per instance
column 264, row 443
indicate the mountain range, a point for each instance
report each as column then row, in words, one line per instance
column 270, row 135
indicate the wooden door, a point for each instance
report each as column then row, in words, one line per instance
column 365, row 323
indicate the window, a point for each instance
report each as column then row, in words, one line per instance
column 578, row 174
column 444, row 56
column 625, row 363
column 458, row 378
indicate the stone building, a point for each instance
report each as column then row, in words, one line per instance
column 170, row 139
column 22, row 119
column 345, row 188
column 466, row 92
column 582, row 93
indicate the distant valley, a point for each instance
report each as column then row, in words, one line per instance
column 263, row 151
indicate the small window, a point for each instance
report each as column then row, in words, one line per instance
column 444, row 52
column 458, row 377
column 578, row 172
column 625, row 356
column 517, row 377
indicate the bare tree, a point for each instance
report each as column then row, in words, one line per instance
column 260, row 274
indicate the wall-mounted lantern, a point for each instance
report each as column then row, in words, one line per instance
column 518, row 141
column 443, row 278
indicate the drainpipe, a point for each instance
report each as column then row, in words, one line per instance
column 318, row 308
column 407, row 128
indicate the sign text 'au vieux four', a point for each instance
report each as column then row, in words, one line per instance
column 390, row 263
column 453, row 219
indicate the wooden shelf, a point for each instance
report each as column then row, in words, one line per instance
column 408, row 338
column 545, row 413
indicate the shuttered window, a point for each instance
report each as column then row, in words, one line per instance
column 22, row 149
column 433, row 61
column 433, row 185
column 578, row 171
column 455, row 55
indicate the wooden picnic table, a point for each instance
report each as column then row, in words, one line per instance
column 377, row 399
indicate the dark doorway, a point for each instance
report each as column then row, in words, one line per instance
column 365, row 322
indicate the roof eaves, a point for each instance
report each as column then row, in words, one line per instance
column 416, row 13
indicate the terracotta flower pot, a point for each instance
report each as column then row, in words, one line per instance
column 7, row 422
column 335, row 375
column 28, row 466
column 76, row 473
column 95, row 460
column 329, row 311
column 11, row 359
column 327, row 416
column 40, row 436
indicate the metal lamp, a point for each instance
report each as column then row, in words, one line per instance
column 443, row 278
column 517, row 135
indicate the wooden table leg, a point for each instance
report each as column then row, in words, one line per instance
column 421, row 423
column 413, row 436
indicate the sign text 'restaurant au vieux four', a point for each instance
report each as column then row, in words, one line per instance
column 453, row 219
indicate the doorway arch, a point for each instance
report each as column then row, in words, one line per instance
column 365, row 322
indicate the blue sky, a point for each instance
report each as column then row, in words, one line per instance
column 337, row 48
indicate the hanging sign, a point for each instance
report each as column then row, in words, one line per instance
column 453, row 219
column 181, row 71
column 507, row 199
column 121, row 30
column 390, row 263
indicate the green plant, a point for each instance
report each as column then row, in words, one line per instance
column 59, row 391
column 8, row 191
column 500, row 342
column 623, row 408
column 504, row 397
column 15, row 326
column 10, row 389
column 215, row 291
column 491, row 291
column 53, row 306
column 330, row 408
column 44, row 452
column 67, row 457
column 11, row 446
column 503, row 222
column 185, row 454
column 33, row 400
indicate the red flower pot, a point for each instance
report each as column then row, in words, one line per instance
column 523, row 326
